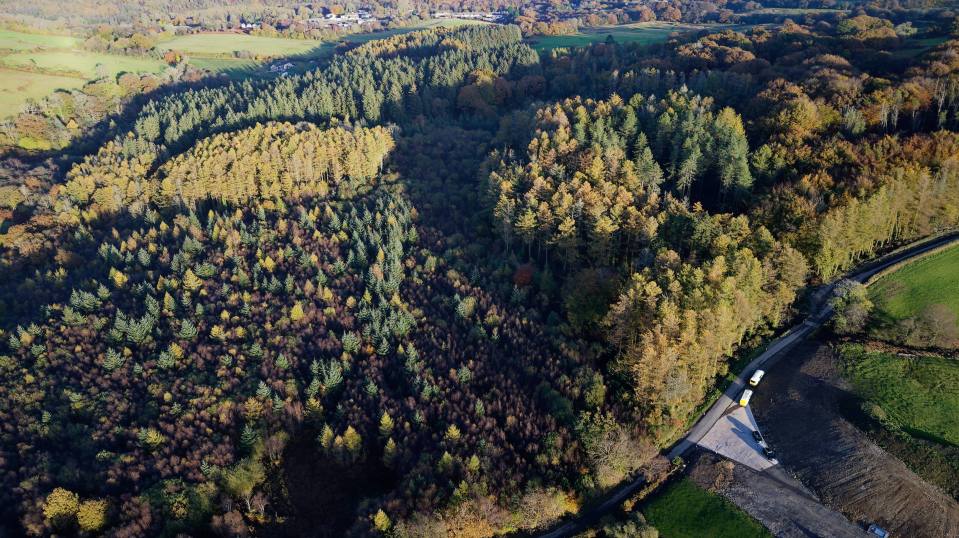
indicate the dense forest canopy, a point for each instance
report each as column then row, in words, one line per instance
column 442, row 285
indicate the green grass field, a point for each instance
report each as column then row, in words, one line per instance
column 209, row 44
column 11, row 40
column 642, row 32
column 233, row 65
column 40, row 64
column 914, row 47
column 920, row 394
column 908, row 291
column 793, row 11
column 16, row 87
column 82, row 63
column 434, row 23
column 684, row 510
column 207, row 51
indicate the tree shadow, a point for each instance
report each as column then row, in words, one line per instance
column 324, row 495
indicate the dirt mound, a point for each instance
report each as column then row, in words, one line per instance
column 799, row 410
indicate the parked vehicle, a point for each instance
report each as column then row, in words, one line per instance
column 878, row 531
column 758, row 437
column 744, row 399
column 757, row 377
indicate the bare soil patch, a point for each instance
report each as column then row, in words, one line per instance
column 777, row 500
column 800, row 409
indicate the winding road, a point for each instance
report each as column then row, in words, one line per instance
column 822, row 311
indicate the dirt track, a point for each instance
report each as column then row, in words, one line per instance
column 798, row 410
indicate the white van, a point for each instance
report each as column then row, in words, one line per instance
column 744, row 399
column 757, row 377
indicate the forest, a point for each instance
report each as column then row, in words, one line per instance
column 442, row 285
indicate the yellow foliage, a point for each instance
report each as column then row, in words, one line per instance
column 326, row 437
column 352, row 440
column 296, row 313
column 61, row 507
column 252, row 409
column 269, row 264
column 381, row 521
column 274, row 161
column 386, row 424
column 314, row 409
column 118, row 278
column 191, row 282
column 218, row 333
column 453, row 433
column 92, row 515
column 153, row 438
column 473, row 464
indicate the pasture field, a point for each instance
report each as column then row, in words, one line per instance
column 641, row 32
column 82, row 63
column 218, row 44
column 212, row 45
column 920, row 284
column 13, row 40
column 32, row 66
column 433, row 23
column 794, row 11
column 16, row 87
column 914, row 47
column 919, row 395
column 685, row 510
column 235, row 65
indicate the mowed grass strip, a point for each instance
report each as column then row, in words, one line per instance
column 642, row 32
column 685, row 510
column 83, row 63
column 919, row 394
column 16, row 87
column 920, row 284
column 12, row 40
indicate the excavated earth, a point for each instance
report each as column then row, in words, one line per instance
column 800, row 407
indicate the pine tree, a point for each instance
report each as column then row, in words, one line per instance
column 381, row 521
column 352, row 441
column 389, row 452
column 473, row 465
column 453, row 433
column 191, row 282
column 326, row 437
column 296, row 313
column 386, row 424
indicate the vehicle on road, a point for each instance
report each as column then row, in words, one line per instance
column 744, row 399
column 878, row 531
column 757, row 377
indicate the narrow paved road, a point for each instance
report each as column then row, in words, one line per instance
column 822, row 312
